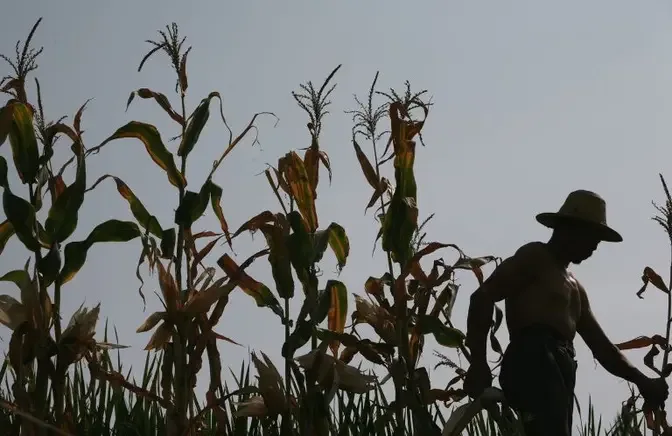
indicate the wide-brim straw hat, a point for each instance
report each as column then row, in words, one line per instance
column 586, row 208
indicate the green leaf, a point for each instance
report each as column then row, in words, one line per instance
column 300, row 247
column 299, row 337
column 139, row 211
column 109, row 231
column 21, row 215
column 50, row 265
column 198, row 120
column 192, row 206
column 335, row 237
column 279, row 259
column 64, row 213
column 168, row 239
column 401, row 219
column 5, row 122
column 444, row 335
column 3, row 173
column 151, row 138
column 19, row 277
column 6, row 232
column 23, row 142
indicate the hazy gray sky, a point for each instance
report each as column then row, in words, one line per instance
column 533, row 99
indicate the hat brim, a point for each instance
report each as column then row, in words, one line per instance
column 605, row 233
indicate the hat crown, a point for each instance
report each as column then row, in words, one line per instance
column 585, row 205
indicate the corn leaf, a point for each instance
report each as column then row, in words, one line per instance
column 198, row 120
column 338, row 310
column 21, row 215
column 294, row 171
column 260, row 292
column 160, row 98
column 23, row 142
column 140, row 212
column 151, row 138
column 6, row 232
column 109, row 231
column 64, row 212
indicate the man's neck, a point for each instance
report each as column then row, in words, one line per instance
column 558, row 253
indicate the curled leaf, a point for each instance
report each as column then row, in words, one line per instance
column 337, row 239
column 160, row 98
column 650, row 276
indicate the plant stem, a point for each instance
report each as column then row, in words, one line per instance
column 286, row 416
column 401, row 328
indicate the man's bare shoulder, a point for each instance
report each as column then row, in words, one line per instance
column 532, row 253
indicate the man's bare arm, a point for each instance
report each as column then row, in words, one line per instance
column 508, row 278
column 609, row 356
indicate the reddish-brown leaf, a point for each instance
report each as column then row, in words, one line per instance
column 642, row 342
column 260, row 292
column 171, row 294
column 256, row 222
column 201, row 255
column 77, row 123
column 58, row 186
column 650, row 276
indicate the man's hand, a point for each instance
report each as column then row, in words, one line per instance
column 477, row 379
column 654, row 391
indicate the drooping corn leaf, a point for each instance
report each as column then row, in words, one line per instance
column 216, row 202
column 151, row 138
column 444, row 335
column 109, row 231
column 140, row 212
column 193, row 206
column 337, row 239
column 160, row 98
column 260, row 292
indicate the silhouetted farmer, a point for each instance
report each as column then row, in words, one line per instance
column 545, row 307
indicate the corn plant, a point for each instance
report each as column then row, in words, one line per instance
column 656, row 419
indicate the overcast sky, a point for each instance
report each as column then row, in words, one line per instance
column 533, row 99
